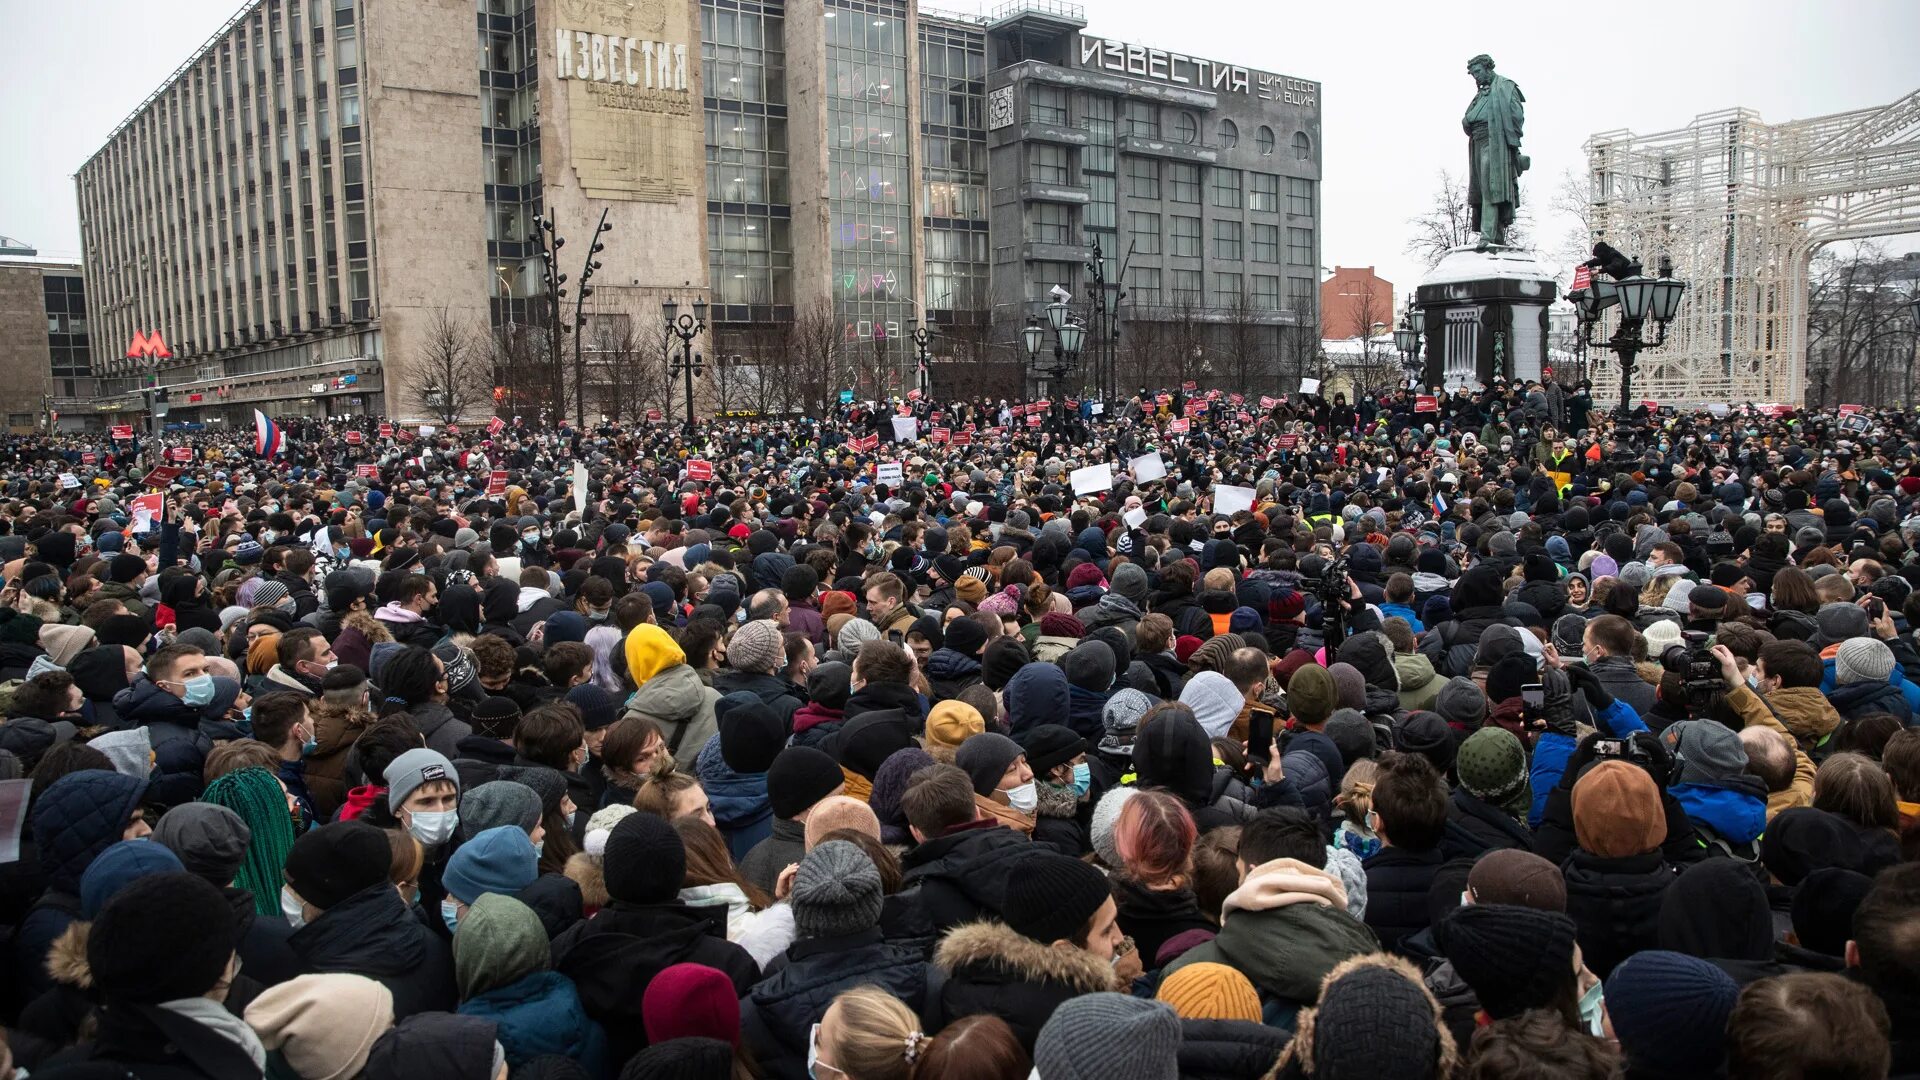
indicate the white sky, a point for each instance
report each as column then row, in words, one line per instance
column 1393, row 74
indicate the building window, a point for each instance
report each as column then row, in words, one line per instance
column 1046, row 104
column 1048, row 274
column 1185, row 236
column 1263, row 140
column 1185, row 180
column 1299, row 196
column 1300, row 247
column 1144, row 231
column 1050, row 223
column 1263, row 193
column 1300, row 294
column 1226, row 188
column 1141, row 121
column 1185, row 128
column 1144, row 288
column 1226, row 290
column 1302, row 146
column 1100, row 213
column 1046, row 164
column 1143, row 178
column 1266, row 292
column 1186, row 287
column 1226, row 241
column 1229, row 134
column 1266, row 243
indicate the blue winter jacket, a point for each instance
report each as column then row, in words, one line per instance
column 1388, row 611
column 541, row 1014
column 1551, row 753
column 739, row 801
column 1739, row 818
column 1828, row 680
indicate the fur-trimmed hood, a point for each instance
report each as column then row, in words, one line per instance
column 996, row 944
column 1299, row 1052
column 67, row 958
column 586, row 871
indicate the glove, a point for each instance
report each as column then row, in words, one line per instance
column 1585, row 681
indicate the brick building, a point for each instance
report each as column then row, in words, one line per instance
column 1355, row 303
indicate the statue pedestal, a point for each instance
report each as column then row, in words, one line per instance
column 1484, row 314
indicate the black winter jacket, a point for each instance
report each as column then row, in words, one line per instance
column 1475, row 827
column 373, row 933
column 1614, row 904
column 1397, row 884
column 991, row 968
column 962, row 876
column 778, row 1015
column 1228, row 1049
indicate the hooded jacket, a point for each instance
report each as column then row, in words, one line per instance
column 1419, row 683
column 179, row 747
column 1173, row 753
column 73, row 821
column 777, row 1017
column 373, row 933
column 1615, row 904
column 502, row 963
column 777, row 694
column 739, row 801
column 682, row 705
column 962, row 874
column 1285, row 927
column 335, row 730
column 1808, row 716
column 993, row 969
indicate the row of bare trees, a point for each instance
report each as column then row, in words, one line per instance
column 1861, row 336
column 1234, row 346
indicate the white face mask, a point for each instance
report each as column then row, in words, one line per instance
column 291, row 907
column 432, row 827
column 1024, row 798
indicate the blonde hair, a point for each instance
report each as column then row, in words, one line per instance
column 878, row 1038
column 662, row 788
column 1356, row 790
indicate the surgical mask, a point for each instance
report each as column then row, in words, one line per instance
column 1024, row 798
column 450, row 913
column 530, row 539
column 598, row 615
column 198, row 691
column 813, row 1053
column 291, row 907
column 1082, row 778
column 309, row 746
column 432, row 827
column 1592, row 1007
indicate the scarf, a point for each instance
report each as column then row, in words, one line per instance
column 214, row 1016
column 1282, row 882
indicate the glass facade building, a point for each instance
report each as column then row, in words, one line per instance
column 870, row 179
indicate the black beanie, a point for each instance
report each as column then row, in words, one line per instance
column 1048, row 745
column 1052, row 897
column 1004, row 657
column 1513, row 957
column 686, row 1058
column 751, row 736
column 1426, row 734
column 645, row 861
column 334, row 862
column 966, row 637
column 1508, row 675
column 162, row 938
column 799, row 777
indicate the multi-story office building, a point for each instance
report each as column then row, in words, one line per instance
column 46, row 353
column 309, row 206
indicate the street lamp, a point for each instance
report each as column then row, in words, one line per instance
column 1639, row 298
column 1069, row 338
column 686, row 328
column 1407, row 340
column 580, row 322
column 919, row 335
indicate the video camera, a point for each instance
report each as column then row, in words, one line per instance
column 1700, row 668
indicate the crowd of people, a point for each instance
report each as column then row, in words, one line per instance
column 1190, row 738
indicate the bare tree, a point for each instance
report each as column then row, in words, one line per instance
column 1573, row 205
column 1860, row 345
column 1448, row 223
column 966, row 365
column 1188, row 335
column 448, row 375
column 817, row 374
column 630, row 378
column 1300, row 356
column 1245, row 342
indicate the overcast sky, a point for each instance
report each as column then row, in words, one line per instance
column 1393, row 75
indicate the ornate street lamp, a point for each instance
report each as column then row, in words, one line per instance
column 1407, row 339
column 686, row 328
column 1640, row 298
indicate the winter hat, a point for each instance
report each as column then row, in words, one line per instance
column 1038, row 693
column 161, row 938
column 1569, row 631
column 836, row 812
column 500, row 941
column 685, row 1058
column 1089, row 666
column 1803, row 839
column 966, row 637
column 598, row 709
column 1106, row 814
column 1517, row 877
column 1660, row 637
column 1215, row 702
column 1513, row 957
column 333, row 862
column 497, row 803
column 799, row 777
column 1424, row 733
column 1350, row 686
column 1617, row 811
column 414, row 768
column 985, row 758
column 1375, row 1018
column 757, row 648
column 1052, row 897
column 1207, row 991
column 751, row 736
column 890, row 783
column 1312, row 695
column 691, row 1001
column 951, row 723
column 1056, row 624
column 1823, row 908
column 1050, row 745
column 830, row 684
column 970, row 589
column 119, row 866
column 499, row 860
column 1130, row 581
column 1352, row 734
column 645, row 861
column 836, row 892
column 1108, row 1036
column 1122, row 712
column 1492, row 766
column 1002, row 660
column 324, row 1024
column 210, row 840
column 1840, row 621
column 865, row 742
column 1669, row 1011
column 1862, row 660
column 1709, row 753
column 1508, row 675
column 1461, row 704
column 1185, row 646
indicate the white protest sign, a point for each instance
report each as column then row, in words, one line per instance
column 1147, row 468
column 1135, row 517
column 889, row 472
column 68, row 480
column 580, row 486
column 1099, row 408
column 905, row 428
column 1092, row 478
column 1309, row 386
column 1230, row 500
column 427, row 429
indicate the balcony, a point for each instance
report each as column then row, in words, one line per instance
column 1071, row 194
column 1173, row 151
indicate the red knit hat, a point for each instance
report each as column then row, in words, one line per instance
column 1056, row 624
column 1185, row 646
column 691, row 1000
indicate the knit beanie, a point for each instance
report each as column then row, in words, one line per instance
column 836, row 892
column 1862, row 660
column 645, row 861
column 1517, row 877
column 1508, row 675
column 1617, row 811
column 757, row 648
column 1089, row 666
column 751, row 735
column 161, row 938
column 970, row 590
column 691, row 1001
column 333, row 862
column 496, row 803
column 499, row 860
column 1513, row 957
column 836, row 812
column 209, row 840
column 890, row 784
column 839, row 602
column 1002, row 659
column 119, row 866
column 1215, row 702
column 1108, row 1036
column 1209, row 991
column 1424, row 733
column 598, row 709
column 986, row 757
column 1669, row 1012
column 684, row 1058
column 1106, row 814
column 799, row 777
column 1350, row 686
column 1823, row 908
column 1056, row 624
column 951, row 723
column 1122, row 712
column 1492, row 766
column 1312, row 696
column 1049, row 746
column 1838, row 621
column 1461, row 704
column 414, row 768
column 500, row 941
column 324, row 1024
column 1352, row 734
column 1213, row 653
column 1052, row 897
column 1375, row 1018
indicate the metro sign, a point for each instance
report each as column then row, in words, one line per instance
column 148, row 346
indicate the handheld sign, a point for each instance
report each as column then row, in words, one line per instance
column 121, row 431
column 579, row 485
column 161, row 476
column 1426, row 403
column 1033, row 419
column 370, row 472
column 146, row 510
column 905, row 428
column 1092, row 478
column 1286, row 442
column 699, row 470
column 180, row 453
column 889, row 472
column 355, row 438
column 1309, row 386
column 89, row 458
column 1178, row 427
column 941, row 435
column 497, row 483
column 68, row 480
column 1230, row 500
column 1147, row 468
column 386, row 431
column 1135, row 517
column 496, row 425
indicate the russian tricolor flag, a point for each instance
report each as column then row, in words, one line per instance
column 267, row 437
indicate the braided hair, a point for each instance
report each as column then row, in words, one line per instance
column 256, row 796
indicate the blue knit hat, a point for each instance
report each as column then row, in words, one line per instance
column 1669, row 1011
column 498, row 860
column 119, row 866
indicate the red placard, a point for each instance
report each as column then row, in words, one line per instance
column 1178, row 427
column 152, row 506
column 903, row 409
column 1267, row 402
column 1426, row 403
column 121, row 431
column 89, row 458
column 180, row 453
column 355, row 438
column 699, row 470
column 1286, row 442
column 941, row 434
column 1245, row 418
column 1189, row 386
column 963, row 439
column 913, row 395
column 403, row 435
column 653, row 415
column 1237, row 399
column 497, row 483
column 1196, row 408
column 935, row 416
column 161, row 476
column 371, row 472
column 1164, row 399
column 1652, row 405
column 1033, row 419
column 496, row 425
column 1043, row 405
column 1845, row 410
column 386, row 431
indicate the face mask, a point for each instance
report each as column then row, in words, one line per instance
column 432, row 827
column 290, row 907
column 199, row 691
column 1082, row 778
column 813, row 1054
column 309, row 747
column 1590, row 1007
column 450, row 913
column 531, row 539
column 1024, row 798
column 597, row 615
